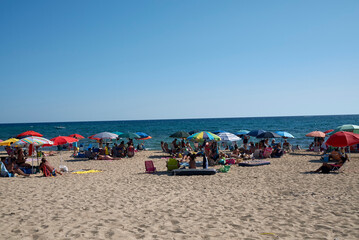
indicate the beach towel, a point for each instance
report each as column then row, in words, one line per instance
column 86, row 171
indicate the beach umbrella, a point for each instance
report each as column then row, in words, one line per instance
column 218, row 131
column 146, row 138
column 343, row 139
column 1, row 140
column 329, row 131
column 180, row 134
column 242, row 132
column 201, row 136
column 129, row 135
column 105, row 135
column 268, row 135
column 346, row 128
column 91, row 137
column 228, row 137
column 78, row 136
column 255, row 133
column 35, row 141
column 193, row 132
column 315, row 134
column 8, row 142
column 29, row 133
column 284, row 134
column 61, row 140
column 142, row 134
column 118, row 133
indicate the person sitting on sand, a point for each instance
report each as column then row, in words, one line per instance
column 21, row 161
column 130, row 151
column 45, row 165
column 326, row 167
column 277, row 151
column 235, row 153
column 192, row 161
column 11, row 166
column 286, row 146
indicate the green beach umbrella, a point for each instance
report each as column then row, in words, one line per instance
column 129, row 135
column 180, row 134
column 346, row 128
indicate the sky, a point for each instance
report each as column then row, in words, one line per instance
column 87, row 60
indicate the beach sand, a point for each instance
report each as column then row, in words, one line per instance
column 277, row 201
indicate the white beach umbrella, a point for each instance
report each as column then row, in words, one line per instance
column 105, row 135
column 228, row 137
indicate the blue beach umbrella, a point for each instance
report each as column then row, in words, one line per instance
column 219, row 131
column 255, row 133
column 242, row 132
column 284, row 134
column 142, row 134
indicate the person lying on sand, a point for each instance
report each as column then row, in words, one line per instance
column 45, row 164
column 11, row 166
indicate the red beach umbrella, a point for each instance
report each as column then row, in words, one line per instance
column 29, row 133
column 316, row 134
column 77, row 136
column 60, row 140
column 343, row 139
column 328, row 131
column 91, row 137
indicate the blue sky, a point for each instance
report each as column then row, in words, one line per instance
column 124, row 60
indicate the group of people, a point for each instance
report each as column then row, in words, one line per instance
column 117, row 151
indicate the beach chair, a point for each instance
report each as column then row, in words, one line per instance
column 150, row 168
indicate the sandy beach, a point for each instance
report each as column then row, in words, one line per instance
column 278, row 201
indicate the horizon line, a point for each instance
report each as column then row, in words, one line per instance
column 168, row 119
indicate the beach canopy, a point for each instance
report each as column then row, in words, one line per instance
column 268, row 135
column 346, row 128
column 61, row 140
column 78, row 136
column 255, row 133
column 129, row 135
column 315, row 134
column 228, row 137
column 343, row 139
column 8, row 142
column 284, row 134
column 242, row 132
column 29, row 133
column 104, row 135
column 201, row 136
column 180, row 134
column 36, row 141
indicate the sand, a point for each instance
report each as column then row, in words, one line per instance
column 278, row 201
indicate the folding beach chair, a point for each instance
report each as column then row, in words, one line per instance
column 150, row 168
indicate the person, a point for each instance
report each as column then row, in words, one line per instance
column 273, row 143
column 277, row 151
column 11, row 166
column 326, row 167
column 192, row 162
column 335, row 155
column 107, row 149
column 235, row 153
column 89, row 154
column 46, row 165
column 245, row 141
column 130, row 151
column 21, row 161
column 286, row 146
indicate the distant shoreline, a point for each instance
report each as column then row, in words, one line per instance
column 175, row 119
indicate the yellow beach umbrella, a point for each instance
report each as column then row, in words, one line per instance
column 8, row 142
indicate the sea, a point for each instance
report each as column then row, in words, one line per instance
column 160, row 130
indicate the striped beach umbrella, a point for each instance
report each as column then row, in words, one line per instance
column 228, row 137
column 201, row 136
column 36, row 141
